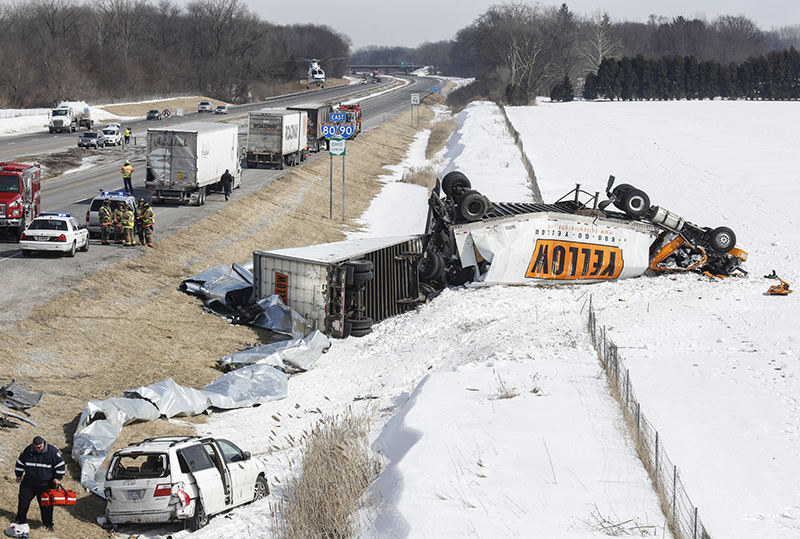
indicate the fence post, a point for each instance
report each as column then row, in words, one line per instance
column 694, row 528
column 638, row 416
column 627, row 387
column 674, row 492
column 656, row 474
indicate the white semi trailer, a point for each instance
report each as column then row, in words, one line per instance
column 185, row 161
column 277, row 138
column 70, row 116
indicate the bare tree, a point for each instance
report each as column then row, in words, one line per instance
column 737, row 38
column 600, row 41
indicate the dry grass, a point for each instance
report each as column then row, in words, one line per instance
column 504, row 391
column 424, row 176
column 338, row 465
column 128, row 325
column 188, row 104
column 440, row 132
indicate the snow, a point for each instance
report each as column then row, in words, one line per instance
column 39, row 122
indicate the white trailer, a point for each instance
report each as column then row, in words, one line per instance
column 342, row 288
column 277, row 137
column 185, row 161
column 70, row 116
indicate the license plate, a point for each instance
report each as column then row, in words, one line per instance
column 135, row 494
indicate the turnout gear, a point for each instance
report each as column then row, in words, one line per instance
column 106, row 217
column 139, row 227
column 148, row 221
column 127, row 226
column 117, row 220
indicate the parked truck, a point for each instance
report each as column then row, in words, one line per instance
column 277, row 137
column 70, row 116
column 318, row 114
column 343, row 288
column 185, row 161
column 20, row 200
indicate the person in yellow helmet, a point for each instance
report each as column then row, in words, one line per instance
column 127, row 172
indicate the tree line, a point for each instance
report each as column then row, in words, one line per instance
column 117, row 49
column 774, row 76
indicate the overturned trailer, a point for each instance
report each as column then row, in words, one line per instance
column 578, row 238
column 342, row 288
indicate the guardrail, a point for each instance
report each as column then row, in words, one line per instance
column 683, row 519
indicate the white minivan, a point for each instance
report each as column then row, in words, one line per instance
column 181, row 478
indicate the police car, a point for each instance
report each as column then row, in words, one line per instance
column 116, row 198
column 54, row 232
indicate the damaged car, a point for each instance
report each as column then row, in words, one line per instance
column 181, row 478
column 580, row 238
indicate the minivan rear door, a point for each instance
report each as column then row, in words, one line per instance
column 207, row 478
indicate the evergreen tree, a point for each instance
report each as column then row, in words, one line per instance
column 590, row 87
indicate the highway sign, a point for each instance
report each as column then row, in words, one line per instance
column 436, row 88
column 165, row 113
column 415, row 99
column 337, row 130
column 337, row 146
column 338, row 117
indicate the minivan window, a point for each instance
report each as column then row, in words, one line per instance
column 196, row 458
column 230, row 452
column 140, row 466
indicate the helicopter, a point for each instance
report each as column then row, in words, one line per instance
column 316, row 75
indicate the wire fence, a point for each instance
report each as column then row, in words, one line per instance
column 682, row 516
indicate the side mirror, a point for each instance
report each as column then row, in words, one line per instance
column 247, row 455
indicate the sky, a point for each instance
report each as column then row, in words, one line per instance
column 411, row 22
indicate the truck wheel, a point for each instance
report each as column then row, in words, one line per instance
column 722, row 239
column 199, row 518
column 635, row 203
column 359, row 323
column 51, row 129
column 453, row 180
column 431, row 266
column 360, row 332
column 472, row 206
column 261, row 489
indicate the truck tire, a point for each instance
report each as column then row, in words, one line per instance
column 454, row 180
column 473, row 206
column 635, row 203
column 199, row 518
column 51, row 130
column 431, row 266
column 722, row 239
column 359, row 323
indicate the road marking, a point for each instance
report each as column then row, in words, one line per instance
column 76, row 184
column 10, row 257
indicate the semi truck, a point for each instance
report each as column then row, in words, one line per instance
column 20, row 196
column 342, row 288
column 70, row 116
column 277, row 138
column 318, row 114
column 186, row 161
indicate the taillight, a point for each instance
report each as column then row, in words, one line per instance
column 62, row 237
column 164, row 489
column 23, row 237
column 87, row 217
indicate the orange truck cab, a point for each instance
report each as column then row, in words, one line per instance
column 20, row 188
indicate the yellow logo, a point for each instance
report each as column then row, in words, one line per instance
column 282, row 287
column 567, row 260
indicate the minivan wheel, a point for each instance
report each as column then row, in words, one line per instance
column 200, row 518
column 261, row 488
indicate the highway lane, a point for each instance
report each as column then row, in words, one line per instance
column 24, row 282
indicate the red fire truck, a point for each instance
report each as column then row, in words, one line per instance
column 353, row 113
column 20, row 188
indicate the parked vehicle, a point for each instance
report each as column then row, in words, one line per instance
column 70, row 116
column 181, row 478
column 342, row 288
column 318, row 114
column 20, row 196
column 276, row 137
column 353, row 113
column 376, row 76
column 112, row 135
column 154, row 114
column 54, row 232
column 205, row 106
column 184, row 162
column 116, row 198
column 91, row 139
column 221, row 109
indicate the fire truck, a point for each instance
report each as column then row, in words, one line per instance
column 353, row 113
column 19, row 196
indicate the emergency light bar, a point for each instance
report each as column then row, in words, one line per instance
column 55, row 215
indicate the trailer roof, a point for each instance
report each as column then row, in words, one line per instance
column 275, row 111
column 195, row 127
column 326, row 253
column 304, row 106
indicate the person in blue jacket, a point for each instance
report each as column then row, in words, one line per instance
column 39, row 468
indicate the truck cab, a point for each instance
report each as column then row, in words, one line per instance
column 20, row 189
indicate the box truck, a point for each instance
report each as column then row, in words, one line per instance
column 343, row 288
column 277, row 137
column 186, row 161
column 318, row 114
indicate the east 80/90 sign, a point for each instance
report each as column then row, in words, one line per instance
column 337, row 130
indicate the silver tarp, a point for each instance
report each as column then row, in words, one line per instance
column 171, row 399
column 295, row 355
column 247, row 386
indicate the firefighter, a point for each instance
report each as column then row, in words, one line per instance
column 148, row 221
column 106, row 218
column 127, row 218
column 127, row 135
column 117, row 220
column 139, row 227
column 127, row 172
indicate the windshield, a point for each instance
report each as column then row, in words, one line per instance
column 109, row 132
column 9, row 184
column 48, row 224
column 205, row 103
column 154, row 111
column 90, row 135
column 60, row 112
